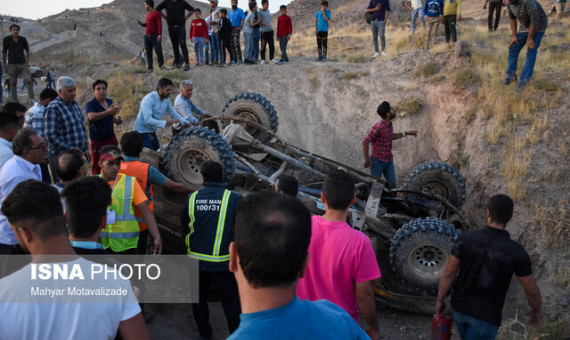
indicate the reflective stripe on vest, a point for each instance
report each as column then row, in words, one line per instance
column 215, row 256
column 124, row 233
column 140, row 170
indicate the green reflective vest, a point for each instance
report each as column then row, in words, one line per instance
column 215, row 255
column 124, row 233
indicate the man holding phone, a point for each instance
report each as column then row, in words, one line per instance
column 102, row 114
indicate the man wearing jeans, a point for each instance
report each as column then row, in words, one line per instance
column 153, row 106
column 380, row 10
column 153, row 34
column 215, row 26
column 176, row 21
column 381, row 136
column 417, row 11
column 533, row 23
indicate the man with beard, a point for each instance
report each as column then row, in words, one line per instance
column 153, row 35
column 153, row 106
column 236, row 16
column 381, row 136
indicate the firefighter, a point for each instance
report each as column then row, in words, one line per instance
column 208, row 220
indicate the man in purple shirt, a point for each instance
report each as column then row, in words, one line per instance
column 380, row 10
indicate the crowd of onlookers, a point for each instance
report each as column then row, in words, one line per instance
column 215, row 35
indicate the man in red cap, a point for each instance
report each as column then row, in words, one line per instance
column 121, row 234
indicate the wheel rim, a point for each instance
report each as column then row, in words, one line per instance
column 250, row 116
column 436, row 188
column 428, row 261
column 190, row 163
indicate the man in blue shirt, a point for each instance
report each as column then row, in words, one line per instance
column 322, row 19
column 185, row 107
column 236, row 16
column 268, row 256
column 433, row 11
column 153, row 106
column 208, row 220
column 380, row 10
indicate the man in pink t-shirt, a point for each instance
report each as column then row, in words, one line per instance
column 342, row 262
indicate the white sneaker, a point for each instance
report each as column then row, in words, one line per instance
column 262, row 62
column 274, row 61
column 376, row 55
column 383, row 53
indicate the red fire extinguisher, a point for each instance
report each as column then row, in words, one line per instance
column 441, row 327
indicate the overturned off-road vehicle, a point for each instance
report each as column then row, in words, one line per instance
column 412, row 228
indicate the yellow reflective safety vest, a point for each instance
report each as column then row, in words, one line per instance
column 124, row 233
column 215, row 244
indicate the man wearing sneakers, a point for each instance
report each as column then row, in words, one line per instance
column 266, row 32
column 153, row 34
column 176, row 21
column 237, row 17
column 380, row 10
column 532, row 25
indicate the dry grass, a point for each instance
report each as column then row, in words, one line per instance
column 426, row 70
column 410, row 105
column 353, row 75
column 127, row 90
column 465, row 77
column 516, row 329
column 554, row 223
column 515, row 167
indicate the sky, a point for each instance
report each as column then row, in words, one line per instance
column 37, row 9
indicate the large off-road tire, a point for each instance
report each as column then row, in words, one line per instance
column 438, row 178
column 256, row 108
column 420, row 250
column 188, row 150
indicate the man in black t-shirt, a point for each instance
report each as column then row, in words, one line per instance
column 486, row 260
column 16, row 63
column 177, row 28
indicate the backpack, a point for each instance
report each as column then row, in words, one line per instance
column 368, row 15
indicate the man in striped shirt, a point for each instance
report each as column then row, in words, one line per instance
column 64, row 123
column 35, row 120
column 381, row 136
column 532, row 25
column 35, row 114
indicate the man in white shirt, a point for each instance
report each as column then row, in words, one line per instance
column 184, row 106
column 8, row 129
column 29, row 151
column 36, row 217
column 417, row 9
